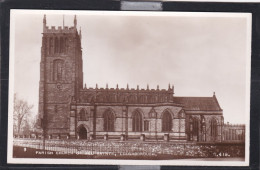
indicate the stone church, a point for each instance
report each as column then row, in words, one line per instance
column 68, row 109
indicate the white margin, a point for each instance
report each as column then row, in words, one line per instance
column 11, row 160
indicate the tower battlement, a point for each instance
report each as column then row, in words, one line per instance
column 59, row 29
column 127, row 89
column 129, row 95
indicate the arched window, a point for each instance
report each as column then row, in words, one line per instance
column 100, row 98
column 132, row 99
column 108, row 121
column 137, row 122
column 56, row 45
column 82, row 132
column 50, row 45
column 195, row 127
column 203, row 125
column 152, row 113
column 112, row 98
column 57, row 70
column 213, row 128
column 62, row 45
column 181, row 114
column 166, row 122
column 230, row 134
column 82, row 115
column 190, row 128
column 153, row 99
column 146, row 125
column 121, row 98
column 161, row 98
column 92, row 99
column 225, row 135
column 142, row 99
column 169, row 98
column 66, row 45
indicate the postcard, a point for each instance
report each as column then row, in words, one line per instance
column 129, row 88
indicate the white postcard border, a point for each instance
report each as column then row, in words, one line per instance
column 11, row 160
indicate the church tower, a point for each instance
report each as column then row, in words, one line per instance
column 61, row 77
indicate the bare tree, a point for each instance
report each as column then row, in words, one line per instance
column 21, row 113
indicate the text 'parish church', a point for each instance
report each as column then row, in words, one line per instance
column 67, row 109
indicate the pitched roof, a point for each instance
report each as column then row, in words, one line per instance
column 198, row 103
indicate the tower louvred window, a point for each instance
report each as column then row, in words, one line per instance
column 58, row 69
column 66, row 45
column 62, row 45
column 56, row 45
column 50, row 45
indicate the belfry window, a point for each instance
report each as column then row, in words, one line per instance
column 50, row 45
column 66, row 45
column 108, row 121
column 62, row 45
column 56, row 45
column 137, row 122
column 57, row 70
column 166, row 122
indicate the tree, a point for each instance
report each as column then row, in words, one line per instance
column 21, row 113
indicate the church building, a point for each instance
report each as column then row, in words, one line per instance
column 69, row 109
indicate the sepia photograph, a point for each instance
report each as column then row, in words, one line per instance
column 129, row 88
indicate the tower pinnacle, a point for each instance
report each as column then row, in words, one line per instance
column 44, row 22
column 75, row 21
column 80, row 33
column 63, row 23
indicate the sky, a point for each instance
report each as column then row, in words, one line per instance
column 198, row 54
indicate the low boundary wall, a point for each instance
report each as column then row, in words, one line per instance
column 131, row 149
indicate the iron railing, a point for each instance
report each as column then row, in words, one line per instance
column 116, row 148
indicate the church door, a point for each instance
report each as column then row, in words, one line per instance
column 82, row 133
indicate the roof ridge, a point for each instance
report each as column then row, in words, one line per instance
column 216, row 100
column 198, row 103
